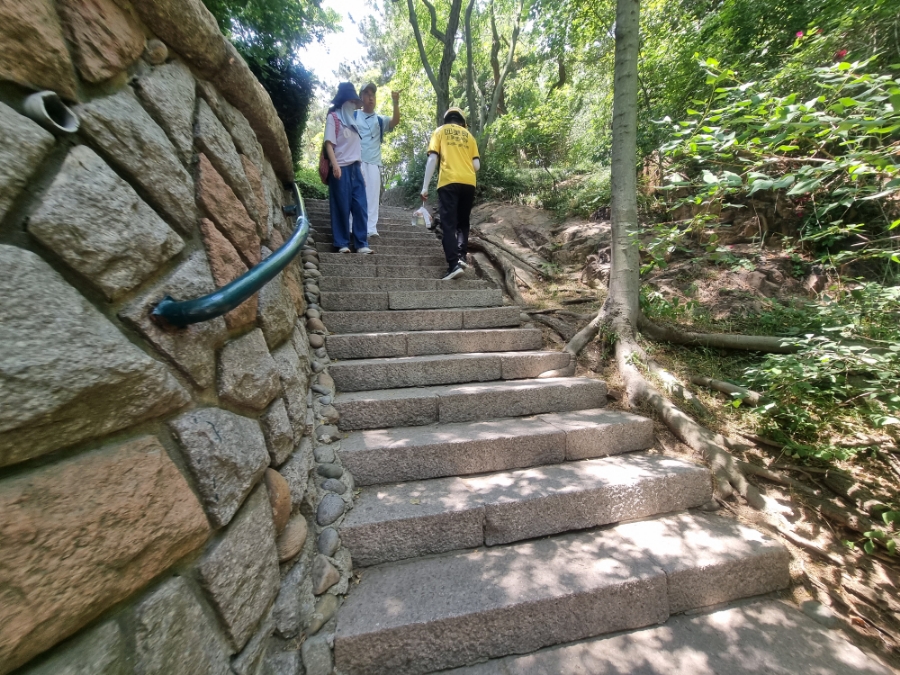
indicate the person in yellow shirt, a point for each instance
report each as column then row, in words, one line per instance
column 455, row 148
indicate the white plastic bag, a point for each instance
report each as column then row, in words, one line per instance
column 425, row 216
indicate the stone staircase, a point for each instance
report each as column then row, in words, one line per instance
column 502, row 508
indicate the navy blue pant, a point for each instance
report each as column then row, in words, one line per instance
column 455, row 202
column 347, row 195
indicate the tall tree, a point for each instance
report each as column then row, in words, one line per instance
column 620, row 315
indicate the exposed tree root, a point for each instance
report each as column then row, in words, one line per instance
column 726, row 472
column 746, row 395
column 509, row 272
column 753, row 343
column 518, row 258
column 565, row 331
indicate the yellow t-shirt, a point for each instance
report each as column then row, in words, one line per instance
column 456, row 148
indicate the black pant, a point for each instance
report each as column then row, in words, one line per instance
column 455, row 202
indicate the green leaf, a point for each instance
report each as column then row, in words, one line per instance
column 892, row 547
column 784, row 181
column 761, row 184
column 890, row 516
column 869, row 547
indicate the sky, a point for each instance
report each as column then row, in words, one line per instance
column 323, row 58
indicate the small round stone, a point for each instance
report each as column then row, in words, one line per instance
column 330, row 470
column 315, row 274
column 327, row 433
column 334, row 485
column 310, row 266
column 330, row 509
column 321, row 353
column 319, row 388
column 329, row 542
column 316, row 341
column 318, row 366
column 330, row 414
column 313, row 313
column 156, row 52
column 314, row 306
column 312, row 288
column 326, row 400
column 324, row 454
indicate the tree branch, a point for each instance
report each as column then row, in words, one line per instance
column 434, row 29
column 414, row 22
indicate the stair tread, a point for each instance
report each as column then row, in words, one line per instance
column 765, row 636
column 414, row 406
column 406, row 520
column 397, row 320
column 426, row 614
column 377, row 456
column 469, row 388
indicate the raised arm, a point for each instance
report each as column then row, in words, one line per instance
column 395, row 120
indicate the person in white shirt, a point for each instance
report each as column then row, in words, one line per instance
column 346, row 186
column 372, row 128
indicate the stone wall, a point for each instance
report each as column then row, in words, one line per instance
column 168, row 497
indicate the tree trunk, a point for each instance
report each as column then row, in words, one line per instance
column 474, row 114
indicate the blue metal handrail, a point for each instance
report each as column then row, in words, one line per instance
column 180, row 314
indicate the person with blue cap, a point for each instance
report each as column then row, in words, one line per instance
column 346, row 185
column 373, row 127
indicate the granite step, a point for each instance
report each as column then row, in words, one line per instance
column 323, row 223
column 376, row 284
column 437, row 299
column 402, row 454
column 418, row 406
column 434, row 259
column 748, row 637
column 414, row 248
column 394, row 238
column 408, row 520
column 425, row 371
column 424, row 343
column 392, row 321
column 456, row 609
column 358, row 265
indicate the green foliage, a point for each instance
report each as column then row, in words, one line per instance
column 291, row 87
column 578, row 193
column 846, row 372
column 831, row 158
column 309, row 183
column 263, row 28
column 267, row 34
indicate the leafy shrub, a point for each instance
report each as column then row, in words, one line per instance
column 580, row 193
column 309, row 184
column 832, row 158
column 846, row 372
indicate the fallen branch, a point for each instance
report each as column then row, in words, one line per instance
column 745, row 395
column 753, row 343
column 577, row 301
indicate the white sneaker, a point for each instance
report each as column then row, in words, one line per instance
column 364, row 249
column 462, row 263
column 371, row 234
column 343, row 249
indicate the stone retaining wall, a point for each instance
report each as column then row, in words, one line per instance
column 168, row 498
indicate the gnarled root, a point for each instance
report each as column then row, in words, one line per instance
column 725, row 468
column 753, row 343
